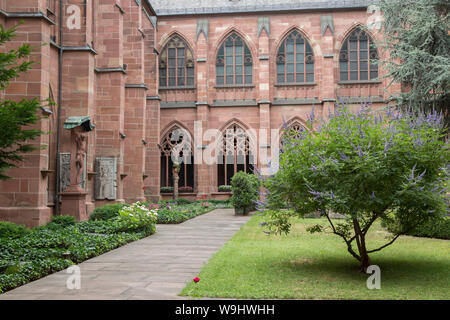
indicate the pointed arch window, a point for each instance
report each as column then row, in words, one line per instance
column 177, row 140
column 234, row 154
column 357, row 57
column 234, row 62
column 176, row 64
column 293, row 130
column 295, row 60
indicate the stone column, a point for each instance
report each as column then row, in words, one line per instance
column 327, row 68
column 204, row 172
column 264, row 92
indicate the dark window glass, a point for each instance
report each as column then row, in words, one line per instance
column 234, row 154
column 233, row 62
column 186, row 173
column 176, row 65
column 295, row 60
column 355, row 57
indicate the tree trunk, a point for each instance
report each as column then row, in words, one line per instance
column 365, row 262
column 361, row 242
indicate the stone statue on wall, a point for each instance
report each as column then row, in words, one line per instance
column 80, row 138
column 74, row 196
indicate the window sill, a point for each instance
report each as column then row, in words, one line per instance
column 224, row 86
column 300, row 84
column 178, row 88
column 359, row 82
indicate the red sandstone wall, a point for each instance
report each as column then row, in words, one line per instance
column 24, row 199
column 128, row 102
column 264, row 91
column 120, row 33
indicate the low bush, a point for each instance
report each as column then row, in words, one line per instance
column 180, row 201
column 11, row 231
column 225, row 188
column 106, row 212
column 166, row 189
column 245, row 190
column 173, row 213
column 436, row 228
column 64, row 220
column 61, row 243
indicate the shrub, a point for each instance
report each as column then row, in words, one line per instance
column 106, row 212
column 64, row 220
column 245, row 188
column 435, row 228
column 182, row 201
column 11, row 230
column 366, row 166
column 137, row 216
column 225, row 188
column 166, row 189
column 177, row 214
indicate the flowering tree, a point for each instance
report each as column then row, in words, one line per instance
column 365, row 166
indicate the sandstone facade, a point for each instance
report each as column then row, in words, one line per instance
column 110, row 70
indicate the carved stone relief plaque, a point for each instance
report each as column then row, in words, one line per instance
column 106, row 178
column 64, row 169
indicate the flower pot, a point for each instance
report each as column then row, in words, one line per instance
column 239, row 211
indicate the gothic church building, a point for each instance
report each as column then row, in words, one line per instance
column 133, row 71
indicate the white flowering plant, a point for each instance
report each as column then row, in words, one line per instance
column 137, row 216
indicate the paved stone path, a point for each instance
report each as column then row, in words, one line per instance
column 157, row 267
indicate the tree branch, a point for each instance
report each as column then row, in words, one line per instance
column 387, row 244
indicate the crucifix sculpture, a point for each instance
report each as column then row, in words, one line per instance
column 74, row 197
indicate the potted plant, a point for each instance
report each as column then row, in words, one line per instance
column 245, row 188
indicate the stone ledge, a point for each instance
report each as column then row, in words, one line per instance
column 234, row 103
column 302, row 101
column 179, row 104
column 300, row 84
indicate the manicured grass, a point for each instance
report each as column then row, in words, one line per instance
column 318, row 266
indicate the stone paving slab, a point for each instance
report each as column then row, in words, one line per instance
column 154, row 268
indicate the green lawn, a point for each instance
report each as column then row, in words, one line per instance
column 318, row 266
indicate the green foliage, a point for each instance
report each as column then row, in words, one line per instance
column 221, row 203
column 315, row 228
column 172, row 213
column 166, row 189
column 61, row 243
column 225, row 188
column 30, row 271
column 245, row 188
column 365, row 166
column 435, row 228
column 10, row 230
column 15, row 116
column 278, row 221
column 106, row 212
column 416, row 37
column 64, row 220
column 179, row 201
